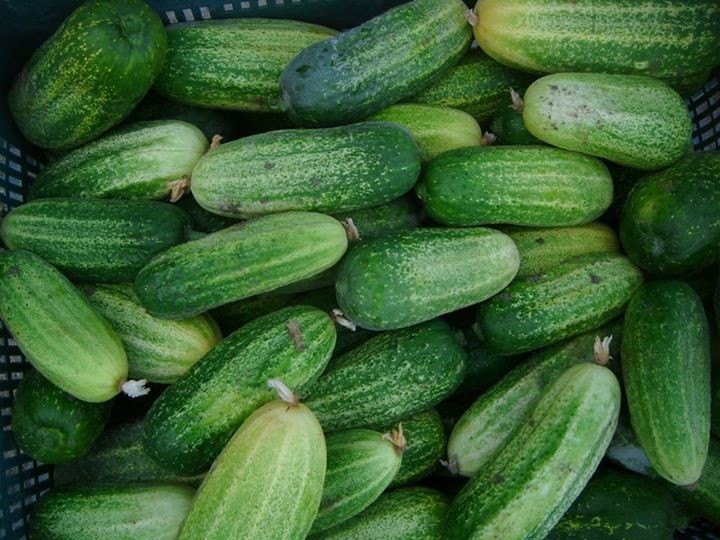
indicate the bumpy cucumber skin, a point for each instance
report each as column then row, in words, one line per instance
column 411, row 277
column 631, row 120
column 399, row 215
column 579, row 294
column 267, row 482
column 666, row 370
column 57, row 329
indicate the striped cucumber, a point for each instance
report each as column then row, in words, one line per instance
column 398, row 215
column 666, row 370
column 268, row 480
column 632, row 120
column 524, row 491
column 275, row 250
column 325, row 170
column 350, row 76
column 390, row 377
column 193, row 419
column 535, row 186
column 145, row 160
column 95, row 239
column 411, row 277
column 577, row 295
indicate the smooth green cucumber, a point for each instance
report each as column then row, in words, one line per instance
column 577, row 295
column 275, row 250
column 632, row 120
column 57, row 329
column 399, row 215
column 350, row 76
column 90, row 74
column 51, row 425
column 192, row 420
column 666, row 371
column 268, row 480
column 232, row 63
column 95, row 239
column 669, row 222
column 201, row 220
column 704, row 495
column 325, row 170
column 484, row 368
column 389, row 377
column 142, row 512
column 535, row 186
column 411, row 277
column 139, row 161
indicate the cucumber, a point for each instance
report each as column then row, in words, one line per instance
column 666, row 367
column 688, row 85
column 654, row 37
column 325, row 170
column 415, row 513
column 398, row 215
column 577, row 295
column 508, row 124
column 669, row 224
column 200, row 219
column 57, row 330
column 158, row 350
column 51, row 425
column 90, row 74
column 411, row 277
column 501, row 411
column 187, row 427
column 350, row 76
column 139, row 161
column 360, row 465
column 111, row 512
column 232, row 63
column 436, row 129
column 704, row 495
column 232, row 316
column 95, row 239
column 540, row 471
column 389, row 377
column 275, row 250
column 484, row 186
column 268, row 480
column 625, row 449
column 632, row 120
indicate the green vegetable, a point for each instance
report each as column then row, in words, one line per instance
column 399, row 215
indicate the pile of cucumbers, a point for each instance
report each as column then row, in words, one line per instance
column 377, row 283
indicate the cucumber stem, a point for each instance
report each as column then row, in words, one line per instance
column 340, row 319
column 397, row 438
column 451, row 465
column 215, row 142
column 178, row 188
column 471, row 16
column 601, row 353
column 517, row 102
column 352, row 231
column 284, row 393
column 134, row 388
column 488, row 139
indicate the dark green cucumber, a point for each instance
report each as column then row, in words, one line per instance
column 153, row 511
column 324, row 170
column 398, row 215
column 669, row 222
column 232, row 63
column 350, row 76
column 631, row 120
column 51, row 425
column 200, row 219
column 508, row 125
column 666, row 371
column 193, row 419
column 95, row 239
column 688, row 85
column 390, row 377
column 232, row 316
column 275, row 250
column 704, row 495
column 90, row 74
column 536, row 186
column 577, row 295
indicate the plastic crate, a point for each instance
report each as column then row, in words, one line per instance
column 25, row 24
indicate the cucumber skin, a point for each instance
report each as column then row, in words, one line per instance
column 68, row 93
column 540, row 471
column 57, row 329
column 276, row 250
column 111, row 512
column 187, row 427
column 200, row 219
column 350, row 76
column 631, row 120
column 399, row 215
column 704, row 497
column 444, row 269
column 484, row 368
column 232, row 64
column 325, row 170
column 577, row 295
column 510, row 129
column 495, row 185
column 95, row 239
column 389, row 377
column 668, row 224
column 669, row 401
column 257, row 506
